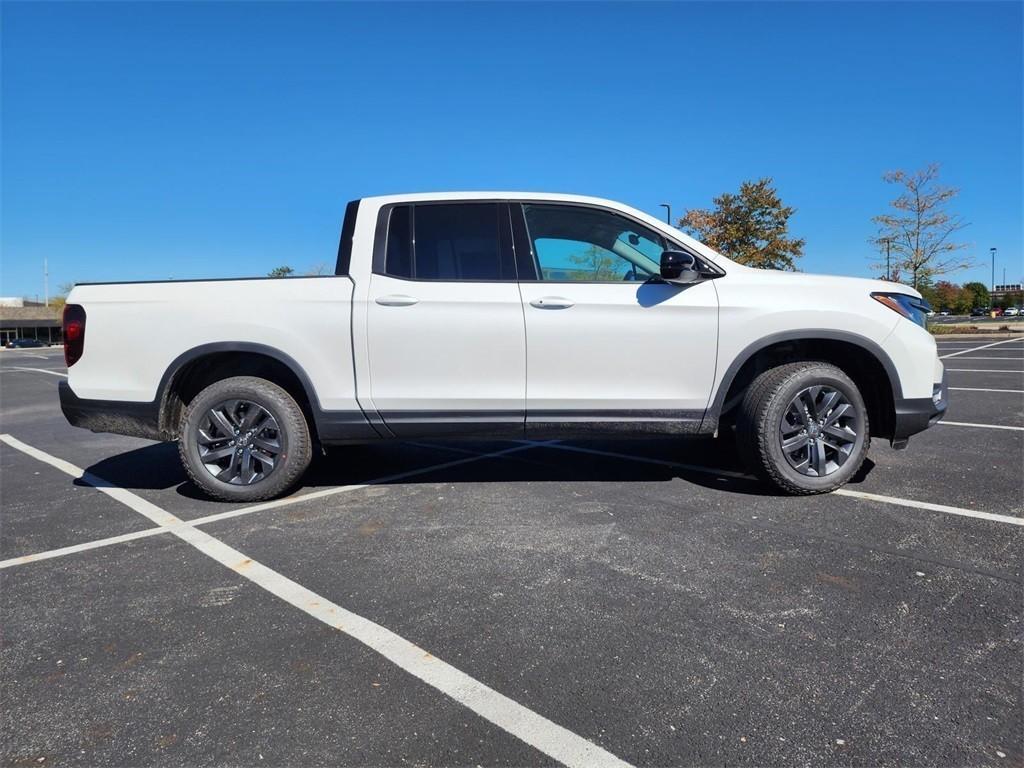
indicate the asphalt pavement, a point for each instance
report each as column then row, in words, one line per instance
column 514, row 603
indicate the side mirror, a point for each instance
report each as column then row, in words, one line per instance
column 679, row 267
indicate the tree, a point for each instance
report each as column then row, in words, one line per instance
column 750, row 227
column 921, row 228
column 947, row 295
column 973, row 295
column 61, row 298
column 281, row 272
column 595, row 264
column 320, row 268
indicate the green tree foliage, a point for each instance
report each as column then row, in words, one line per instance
column 972, row 295
column 750, row 227
column 947, row 295
column 595, row 264
column 920, row 229
column 281, row 272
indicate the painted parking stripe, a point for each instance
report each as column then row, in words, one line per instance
column 895, row 500
column 239, row 512
column 983, row 370
column 932, row 507
column 536, row 730
column 976, row 349
column 84, row 547
column 984, row 426
column 991, row 357
column 981, row 389
column 35, row 370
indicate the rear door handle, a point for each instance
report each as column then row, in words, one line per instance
column 396, row 300
column 552, row 302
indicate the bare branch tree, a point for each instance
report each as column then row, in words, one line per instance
column 921, row 230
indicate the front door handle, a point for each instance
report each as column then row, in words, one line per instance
column 396, row 300
column 552, row 302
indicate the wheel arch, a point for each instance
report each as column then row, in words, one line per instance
column 196, row 368
column 862, row 359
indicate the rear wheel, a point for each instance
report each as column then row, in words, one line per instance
column 244, row 439
column 803, row 427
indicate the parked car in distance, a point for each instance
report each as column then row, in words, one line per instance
column 1012, row 312
column 25, row 343
column 979, row 312
column 504, row 315
column 944, row 313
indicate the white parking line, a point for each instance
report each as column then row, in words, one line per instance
column 240, row 511
column 84, row 547
column 932, row 507
column 895, row 500
column 536, row 730
column 36, row 370
column 985, row 426
column 982, row 370
column 990, row 357
column 975, row 349
column 980, row 389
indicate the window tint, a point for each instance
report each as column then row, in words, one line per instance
column 457, row 241
column 398, row 261
column 586, row 244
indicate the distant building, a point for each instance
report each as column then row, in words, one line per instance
column 1001, row 290
column 23, row 319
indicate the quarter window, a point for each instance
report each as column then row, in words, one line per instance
column 452, row 242
column 573, row 243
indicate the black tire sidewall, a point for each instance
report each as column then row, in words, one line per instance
column 293, row 432
column 775, row 408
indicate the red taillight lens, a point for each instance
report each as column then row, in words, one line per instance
column 74, row 333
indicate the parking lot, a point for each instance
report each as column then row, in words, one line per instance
column 515, row 603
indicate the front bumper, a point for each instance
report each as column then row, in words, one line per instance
column 122, row 417
column 913, row 415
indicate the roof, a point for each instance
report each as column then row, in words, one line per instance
column 11, row 317
column 558, row 197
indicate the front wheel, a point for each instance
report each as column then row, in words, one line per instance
column 244, row 439
column 803, row 427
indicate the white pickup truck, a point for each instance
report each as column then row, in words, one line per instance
column 503, row 315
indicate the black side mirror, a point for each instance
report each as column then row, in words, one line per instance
column 679, row 267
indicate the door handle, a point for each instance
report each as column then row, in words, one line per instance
column 552, row 302
column 396, row 300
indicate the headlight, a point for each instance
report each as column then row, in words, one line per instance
column 914, row 309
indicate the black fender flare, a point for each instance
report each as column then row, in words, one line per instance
column 330, row 425
column 872, row 348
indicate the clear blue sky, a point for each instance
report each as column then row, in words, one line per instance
column 145, row 140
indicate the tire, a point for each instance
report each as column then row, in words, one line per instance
column 266, row 455
column 799, row 396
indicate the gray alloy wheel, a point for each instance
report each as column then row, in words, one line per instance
column 818, row 431
column 244, row 439
column 803, row 427
column 238, row 442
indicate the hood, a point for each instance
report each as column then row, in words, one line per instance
column 831, row 282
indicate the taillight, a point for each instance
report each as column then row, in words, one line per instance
column 74, row 333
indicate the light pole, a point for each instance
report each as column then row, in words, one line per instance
column 993, row 252
column 668, row 213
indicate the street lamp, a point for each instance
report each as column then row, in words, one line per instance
column 993, row 252
column 668, row 213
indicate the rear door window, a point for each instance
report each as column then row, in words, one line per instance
column 448, row 242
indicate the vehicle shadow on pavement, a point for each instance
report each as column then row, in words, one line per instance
column 706, row 463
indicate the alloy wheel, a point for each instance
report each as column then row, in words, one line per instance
column 239, row 442
column 819, row 431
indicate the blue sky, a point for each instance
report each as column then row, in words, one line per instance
column 148, row 140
